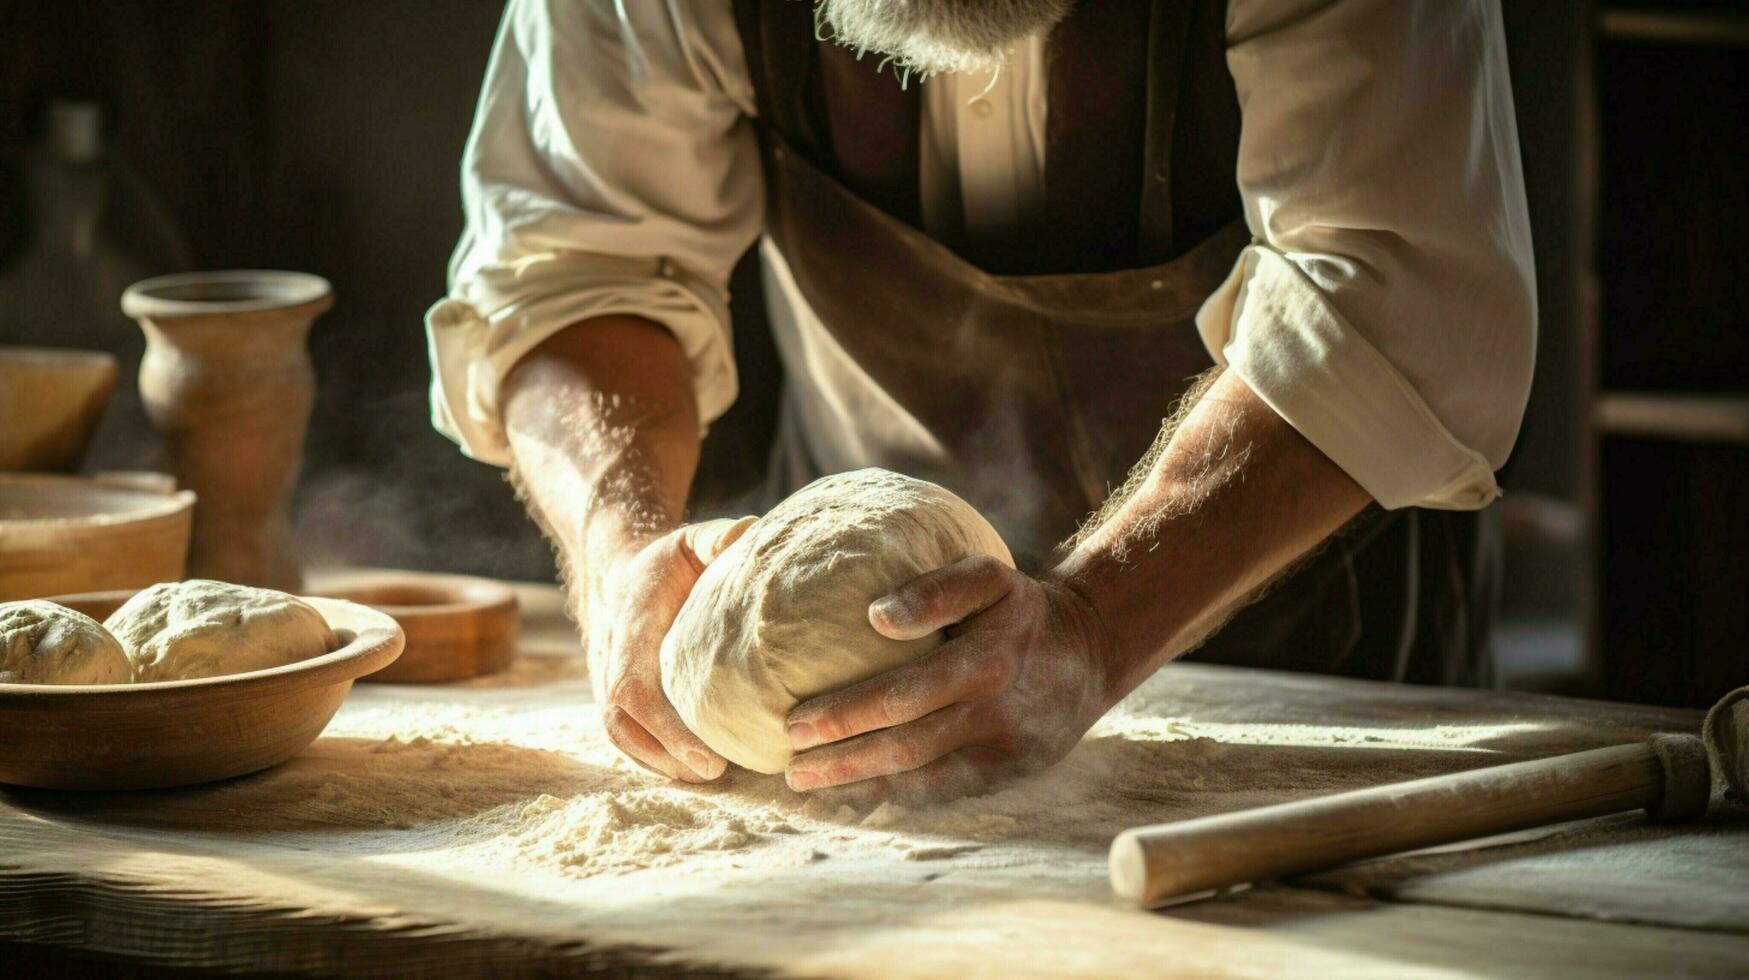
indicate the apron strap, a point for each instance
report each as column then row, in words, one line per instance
column 1168, row 34
column 777, row 39
column 1094, row 136
column 877, row 126
column 1165, row 151
column 1190, row 190
column 848, row 116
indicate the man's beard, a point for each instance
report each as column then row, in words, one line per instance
column 930, row 36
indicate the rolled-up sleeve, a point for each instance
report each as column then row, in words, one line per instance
column 611, row 169
column 1386, row 308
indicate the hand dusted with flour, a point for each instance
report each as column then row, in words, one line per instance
column 782, row 616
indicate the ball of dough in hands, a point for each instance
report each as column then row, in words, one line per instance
column 200, row 628
column 782, row 615
column 45, row 643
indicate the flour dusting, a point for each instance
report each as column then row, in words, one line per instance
column 499, row 802
column 517, row 772
column 607, row 832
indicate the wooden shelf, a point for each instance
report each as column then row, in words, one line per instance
column 1692, row 418
column 1719, row 28
column 1668, row 454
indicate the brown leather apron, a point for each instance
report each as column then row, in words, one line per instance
column 1030, row 376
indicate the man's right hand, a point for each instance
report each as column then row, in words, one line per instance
column 634, row 602
column 604, row 432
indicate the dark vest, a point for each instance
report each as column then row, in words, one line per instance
column 1142, row 129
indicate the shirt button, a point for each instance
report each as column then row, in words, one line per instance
column 982, row 108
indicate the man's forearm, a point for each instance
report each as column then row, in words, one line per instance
column 604, row 433
column 1236, row 496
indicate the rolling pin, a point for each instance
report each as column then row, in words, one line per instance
column 1669, row 776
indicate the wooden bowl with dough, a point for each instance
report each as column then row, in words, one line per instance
column 61, row 535
column 50, row 403
column 457, row 626
column 174, row 733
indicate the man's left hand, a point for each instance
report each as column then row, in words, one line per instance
column 1020, row 679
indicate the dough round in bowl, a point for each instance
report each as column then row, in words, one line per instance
column 45, row 643
column 200, row 628
column 782, row 615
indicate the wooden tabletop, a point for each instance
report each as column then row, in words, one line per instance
column 485, row 827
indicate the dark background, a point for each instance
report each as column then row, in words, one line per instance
column 325, row 136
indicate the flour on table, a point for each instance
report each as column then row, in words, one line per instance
column 641, row 828
column 499, row 802
column 514, row 770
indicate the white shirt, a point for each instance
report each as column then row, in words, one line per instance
column 1385, row 309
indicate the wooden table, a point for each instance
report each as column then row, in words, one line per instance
column 364, row 874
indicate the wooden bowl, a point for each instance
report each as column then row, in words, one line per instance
column 50, row 403
column 456, row 626
column 65, row 534
column 173, row 733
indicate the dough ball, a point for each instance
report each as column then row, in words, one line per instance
column 45, row 643
column 782, row 615
column 179, row 630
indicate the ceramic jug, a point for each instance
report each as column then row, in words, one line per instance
column 227, row 379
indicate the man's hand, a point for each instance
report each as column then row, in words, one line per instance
column 1233, row 496
column 1020, row 679
column 634, row 605
column 603, row 428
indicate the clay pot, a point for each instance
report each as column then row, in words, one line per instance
column 227, row 380
column 50, row 404
column 85, row 534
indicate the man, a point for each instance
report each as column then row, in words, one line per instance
column 999, row 279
